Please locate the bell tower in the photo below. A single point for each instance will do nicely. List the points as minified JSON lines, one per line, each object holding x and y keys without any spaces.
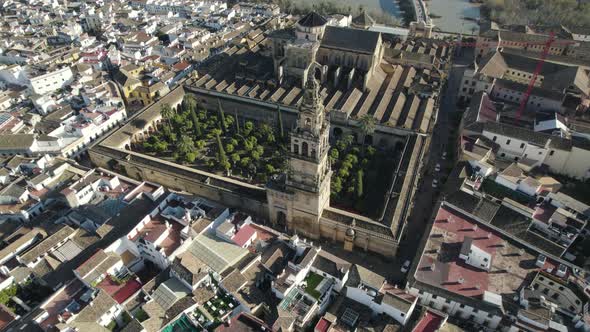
{"x":306,"y":189}
{"x":308,"y":160}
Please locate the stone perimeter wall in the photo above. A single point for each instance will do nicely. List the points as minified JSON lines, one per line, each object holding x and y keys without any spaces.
{"x":219,"y":189}
{"x":180,"y":178}
{"x":364,"y":240}
{"x":244,"y":197}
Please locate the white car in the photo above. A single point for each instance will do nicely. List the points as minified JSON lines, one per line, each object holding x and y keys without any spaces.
{"x":561,"y":271}
{"x":437,"y":167}
{"x":406,"y":266}
{"x":434,"y":183}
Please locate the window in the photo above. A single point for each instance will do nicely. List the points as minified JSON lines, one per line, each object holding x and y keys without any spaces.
{"x":507,"y":142}
{"x":434,"y":297}
{"x":551,"y":152}
{"x":402,"y":314}
{"x":540,"y":153}
{"x":494,"y":139}
{"x":461,"y":306}
{"x":521,"y":145}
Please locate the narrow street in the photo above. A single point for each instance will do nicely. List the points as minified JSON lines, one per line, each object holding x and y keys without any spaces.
{"x":426,"y":195}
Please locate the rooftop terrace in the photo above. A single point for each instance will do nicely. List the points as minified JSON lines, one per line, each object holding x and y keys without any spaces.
{"x":440,"y":265}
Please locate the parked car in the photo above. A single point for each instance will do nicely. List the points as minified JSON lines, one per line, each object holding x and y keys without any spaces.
{"x":437,"y":167}
{"x":561,"y":271}
{"x":406,"y":266}
{"x":434,"y":183}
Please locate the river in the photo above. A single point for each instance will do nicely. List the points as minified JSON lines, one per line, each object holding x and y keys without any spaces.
{"x":387,"y":6}
{"x":452,"y":12}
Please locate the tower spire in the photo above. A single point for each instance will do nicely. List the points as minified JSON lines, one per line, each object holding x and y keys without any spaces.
{"x":311,"y":96}
{"x":311,"y":116}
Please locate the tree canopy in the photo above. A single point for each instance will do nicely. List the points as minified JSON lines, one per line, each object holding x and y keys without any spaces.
{"x":570,"y":13}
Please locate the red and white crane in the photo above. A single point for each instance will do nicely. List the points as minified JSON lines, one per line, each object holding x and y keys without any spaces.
{"x":529,"y":90}
{"x":547,"y":47}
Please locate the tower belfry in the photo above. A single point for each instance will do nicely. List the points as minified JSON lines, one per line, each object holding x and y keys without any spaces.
{"x":309,"y":141}
{"x":300,"y":203}
{"x":312,"y":115}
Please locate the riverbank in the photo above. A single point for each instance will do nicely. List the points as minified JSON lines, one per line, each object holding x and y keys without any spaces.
{"x":387,"y":12}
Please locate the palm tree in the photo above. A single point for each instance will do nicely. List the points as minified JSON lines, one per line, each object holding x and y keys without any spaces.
{"x":367,"y":125}
{"x":167,"y":112}
{"x":280,"y":121}
{"x":185,"y":145}
{"x":221,"y":115}
{"x":221,"y":156}
{"x":237,"y":123}
{"x":189,"y":104}
{"x":196,"y":124}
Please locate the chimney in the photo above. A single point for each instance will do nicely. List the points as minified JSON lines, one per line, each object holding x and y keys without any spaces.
{"x":474,"y":228}
{"x":432,"y":266}
{"x":461,"y":280}
{"x":489,"y":235}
